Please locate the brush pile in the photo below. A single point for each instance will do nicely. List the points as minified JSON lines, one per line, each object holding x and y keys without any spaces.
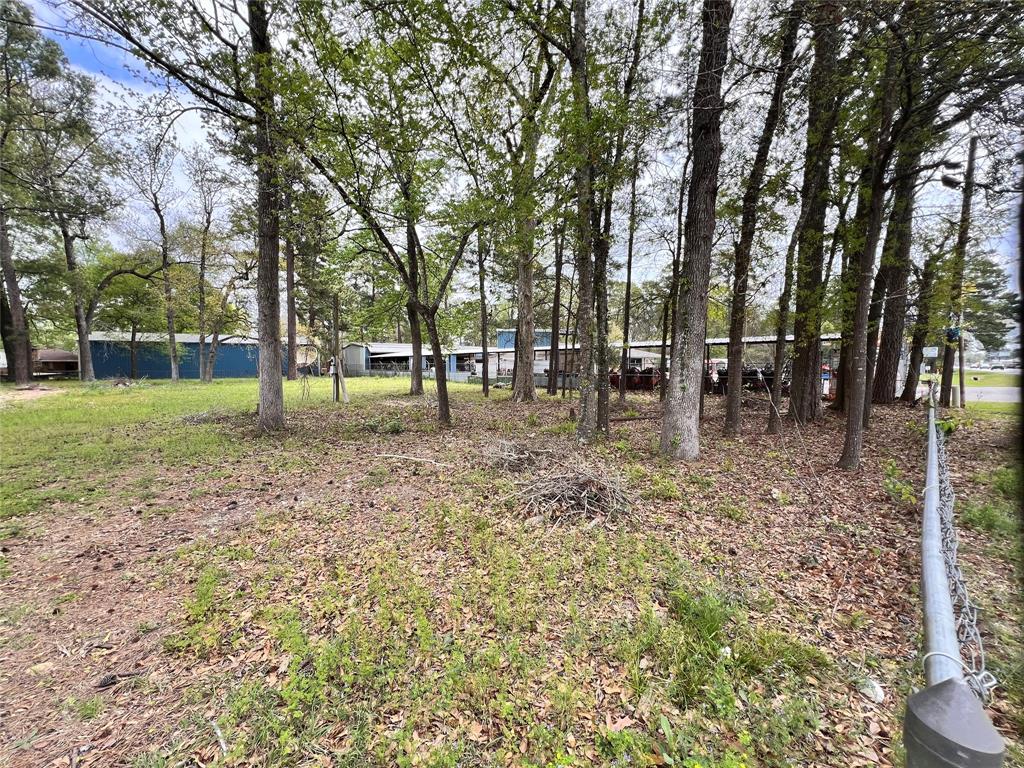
{"x":573,"y":494}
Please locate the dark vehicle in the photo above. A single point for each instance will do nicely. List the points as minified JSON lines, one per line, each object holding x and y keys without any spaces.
{"x":716,"y":379}
{"x":637,"y":380}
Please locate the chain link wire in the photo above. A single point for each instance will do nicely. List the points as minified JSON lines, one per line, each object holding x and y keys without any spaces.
{"x":972,"y":651}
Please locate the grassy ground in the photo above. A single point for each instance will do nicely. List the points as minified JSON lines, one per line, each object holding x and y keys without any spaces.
{"x":365,"y":589}
{"x":981,"y":378}
{"x":992,"y":379}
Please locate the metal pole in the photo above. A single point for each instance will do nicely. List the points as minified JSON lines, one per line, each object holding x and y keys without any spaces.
{"x":945,"y":725}
{"x":942,"y":649}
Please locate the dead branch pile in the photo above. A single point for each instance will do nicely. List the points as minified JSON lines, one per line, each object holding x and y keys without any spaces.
{"x":513,"y":457}
{"x":573,"y":493}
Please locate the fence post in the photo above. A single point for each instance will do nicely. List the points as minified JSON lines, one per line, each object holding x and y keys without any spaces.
{"x":945,"y":725}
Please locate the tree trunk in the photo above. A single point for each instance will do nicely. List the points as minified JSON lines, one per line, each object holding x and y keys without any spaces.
{"x":416,"y":336}
{"x":779,"y":360}
{"x":922,"y":323}
{"x":268,"y":216}
{"x":554,"y":361}
{"x":584,"y":152}
{"x":444,"y":414}
{"x":481,"y":257}
{"x":16,"y":343}
{"x":673,"y":286}
{"x":201,"y":298}
{"x":900,"y":233}
{"x":879,"y":149}
{"x":523,"y":388}
{"x":601,"y":352}
{"x":172,"y":344}
{"x":626,"y":305}
{"x":7,"y":336}
{"x":875,"y":304}
{"x":680,"y":434}
{"x":751,"y":197}
{"x":85,"y":369}
{"x":293,"y":337}
{"x":133,"y":353}
{"x":570,"y":344}
{"x":956,"y":310}
{"x":823,"y":113}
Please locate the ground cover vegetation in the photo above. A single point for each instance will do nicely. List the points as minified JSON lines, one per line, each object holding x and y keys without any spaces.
{"x":229,"y":596}
{"x":231,"y":572}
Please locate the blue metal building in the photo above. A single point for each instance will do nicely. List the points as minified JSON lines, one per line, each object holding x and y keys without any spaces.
{"x":111,"y":356}
{"x":507,"y":338}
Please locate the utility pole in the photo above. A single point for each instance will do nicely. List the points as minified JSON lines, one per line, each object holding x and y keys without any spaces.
{"x":956,"y":299}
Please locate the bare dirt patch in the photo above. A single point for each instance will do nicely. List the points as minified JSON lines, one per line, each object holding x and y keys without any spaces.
{"x":21,"y":395}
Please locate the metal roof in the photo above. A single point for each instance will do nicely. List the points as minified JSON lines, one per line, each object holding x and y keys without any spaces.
{"x":56,"y":356}
{"x":181,"y":338}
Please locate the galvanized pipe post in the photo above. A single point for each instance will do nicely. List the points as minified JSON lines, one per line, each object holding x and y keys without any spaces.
{"x":945,"y":725}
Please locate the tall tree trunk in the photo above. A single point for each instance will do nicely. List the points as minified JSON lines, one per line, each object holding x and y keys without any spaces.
{"x":554,"y":362}
{"x":626,"y":305}
{"x":894,"y":317}
{"x":204,"y":244}
{"x":959,"y":262}
{"x":584,"y":151}
{"x":823,"y":113}
{"x":781,"y":329}
{"x":172,"y":343}
{"x":879,"y":290}
{"x":7,"y":336}
{"x":571,"y":319}
{"x":673,"y":286}
{"x":133,"y":353}
{"x":601,"y":351}
{"x":16,"y":343}
{"x":416,"y":337}
{"x":413,"y":286}
{"x":268,"y":216}
{"x":680,"y":433}
{"x":515,"y":349}
{"x":165,"y":262}
{"x":85,"y":369}
{"x":444,"y":413}
{"x":523,"y":387}
{"x":666,"y":313}
{"x":481,"y":258}
{"x":881,"y":380}
{"x":922,"y":324}
{"x":748,"y":223}
{"x":879,"y":149}
{"x":293,"y":336}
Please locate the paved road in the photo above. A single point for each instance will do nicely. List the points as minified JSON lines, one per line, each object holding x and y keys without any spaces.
{"x":985,"y":394}
{"x":993,"y":394}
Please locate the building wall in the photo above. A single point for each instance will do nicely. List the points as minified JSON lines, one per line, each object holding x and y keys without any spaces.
{"x":507,"y":338}
{"x":112,"y":359}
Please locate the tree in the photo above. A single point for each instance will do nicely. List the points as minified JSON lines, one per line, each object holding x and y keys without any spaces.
{"x":680,"y":434}
{"x":824,"y":95}
{"x":149,"y":171}
{"x":751,"y":197}
{"x":224,"y":59}
{"x":27,"y":60}
{"x":867,"y":229}
{"x":210,"y":185}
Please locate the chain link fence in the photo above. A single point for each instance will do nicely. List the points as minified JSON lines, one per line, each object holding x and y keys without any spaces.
{"x":946,"y":723}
